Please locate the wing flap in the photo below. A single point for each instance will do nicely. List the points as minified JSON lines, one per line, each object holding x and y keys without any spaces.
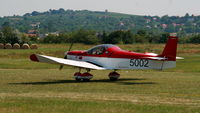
{"x":60,"y":61}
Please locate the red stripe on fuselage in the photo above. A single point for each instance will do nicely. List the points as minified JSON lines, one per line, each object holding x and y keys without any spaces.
{"x":113,"y":52}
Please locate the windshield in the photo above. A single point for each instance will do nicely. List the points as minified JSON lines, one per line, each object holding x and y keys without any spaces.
{"x":100,"y":49}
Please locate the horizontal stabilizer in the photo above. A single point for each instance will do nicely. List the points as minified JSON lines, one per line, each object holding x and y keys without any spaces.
{"x":162,"y":58}
{"x":179,"y":58}
{"x":61,"y":61}
{"x":156,"y":58}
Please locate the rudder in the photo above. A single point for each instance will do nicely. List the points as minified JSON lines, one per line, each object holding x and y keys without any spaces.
{"x":170,"y":48}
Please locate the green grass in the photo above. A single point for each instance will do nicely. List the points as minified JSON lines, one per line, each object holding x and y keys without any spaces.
{"x":28,"y":87}
{"x":49,"y":105}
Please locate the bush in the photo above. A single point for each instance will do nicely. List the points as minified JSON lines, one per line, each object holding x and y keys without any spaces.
{"x":195,"y":39}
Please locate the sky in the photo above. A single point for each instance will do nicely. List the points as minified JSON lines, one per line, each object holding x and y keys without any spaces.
{"x":135,"y":7}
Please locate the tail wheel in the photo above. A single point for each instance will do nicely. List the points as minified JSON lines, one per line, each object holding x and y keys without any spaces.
{"x":113,"y":76}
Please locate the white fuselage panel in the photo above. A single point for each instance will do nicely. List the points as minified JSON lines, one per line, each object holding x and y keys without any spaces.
{"x":124,"y":63}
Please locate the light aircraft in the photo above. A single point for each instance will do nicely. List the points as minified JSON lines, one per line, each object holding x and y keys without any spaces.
{"x":111,"y":57}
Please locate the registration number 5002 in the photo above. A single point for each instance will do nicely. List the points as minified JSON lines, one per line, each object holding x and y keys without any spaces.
{"x":139,"y":62}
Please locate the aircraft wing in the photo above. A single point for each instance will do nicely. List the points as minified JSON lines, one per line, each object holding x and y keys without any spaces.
{"x":61,"y":61}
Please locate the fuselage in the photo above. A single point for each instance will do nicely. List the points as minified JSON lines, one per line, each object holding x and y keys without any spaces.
{"x":112,"y":57}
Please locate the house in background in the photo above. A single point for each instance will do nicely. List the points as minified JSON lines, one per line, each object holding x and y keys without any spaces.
{"x":32,"y":33}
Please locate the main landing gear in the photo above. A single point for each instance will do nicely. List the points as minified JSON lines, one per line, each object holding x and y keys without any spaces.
{"x":83,"y":76}
{"x":113,"y":76}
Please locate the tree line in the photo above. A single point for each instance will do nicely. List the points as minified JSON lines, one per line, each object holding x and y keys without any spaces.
{"x":12,"y":36}
{"x":115,"y":37}
{"x":62,"y":20}
{"x":9,"y":35}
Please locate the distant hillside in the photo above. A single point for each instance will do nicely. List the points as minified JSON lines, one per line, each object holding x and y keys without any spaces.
{"x":69,"y":20}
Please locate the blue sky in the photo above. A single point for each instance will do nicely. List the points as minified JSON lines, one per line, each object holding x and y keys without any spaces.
{"x":136,"y":7}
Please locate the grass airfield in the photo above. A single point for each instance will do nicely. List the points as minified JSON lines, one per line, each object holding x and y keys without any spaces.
{"x":28,"y":87}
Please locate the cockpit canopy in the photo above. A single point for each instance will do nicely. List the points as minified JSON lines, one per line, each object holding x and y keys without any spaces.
{"x":100,"y":49}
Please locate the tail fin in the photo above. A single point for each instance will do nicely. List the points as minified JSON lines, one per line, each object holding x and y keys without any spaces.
{"x":170,"y":48}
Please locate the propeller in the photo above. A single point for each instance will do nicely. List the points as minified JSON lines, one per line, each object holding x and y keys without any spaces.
{"x":65,"y":57}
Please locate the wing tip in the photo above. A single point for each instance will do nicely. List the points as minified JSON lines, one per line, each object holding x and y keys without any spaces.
{"x":33,"y":57}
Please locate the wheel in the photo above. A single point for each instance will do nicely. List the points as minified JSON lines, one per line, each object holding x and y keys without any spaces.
{"x":113,"y":79}
{"x":113,"y":76}
{"x":86,"y":77}
{"x":78,"y":79}
{"x":77,"y":76}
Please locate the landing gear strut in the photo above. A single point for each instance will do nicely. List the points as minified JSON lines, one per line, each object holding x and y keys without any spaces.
{"x":85,"y":76}
{"x":114,"y":76}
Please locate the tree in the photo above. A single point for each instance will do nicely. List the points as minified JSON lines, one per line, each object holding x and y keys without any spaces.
{"x":61,"y":10}
{"x":139,"y":39}
{"x":33,"y":39}
{"x":127,"y":37}
{"x":85,"y":36}
{"x":9,"y":35}
{"x":2,"y":38}
{"x":24,"y":38}
{"x":91,"y":39}
{"x":163,"y":37}
{"x":35,"y":13}
{"x":187,"y":15}
{"x":115,"y":37}
{"x":140,"y":36}
{"x":195,"y":39}
{"x":142,"y":32}
{"x":51,"y":38}
{"x":104,"y":38}
{"x":153,"y":37}
{"x":6,"y":24}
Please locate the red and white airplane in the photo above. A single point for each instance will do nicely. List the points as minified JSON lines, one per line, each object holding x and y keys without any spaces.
{"x":111,"y":57}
